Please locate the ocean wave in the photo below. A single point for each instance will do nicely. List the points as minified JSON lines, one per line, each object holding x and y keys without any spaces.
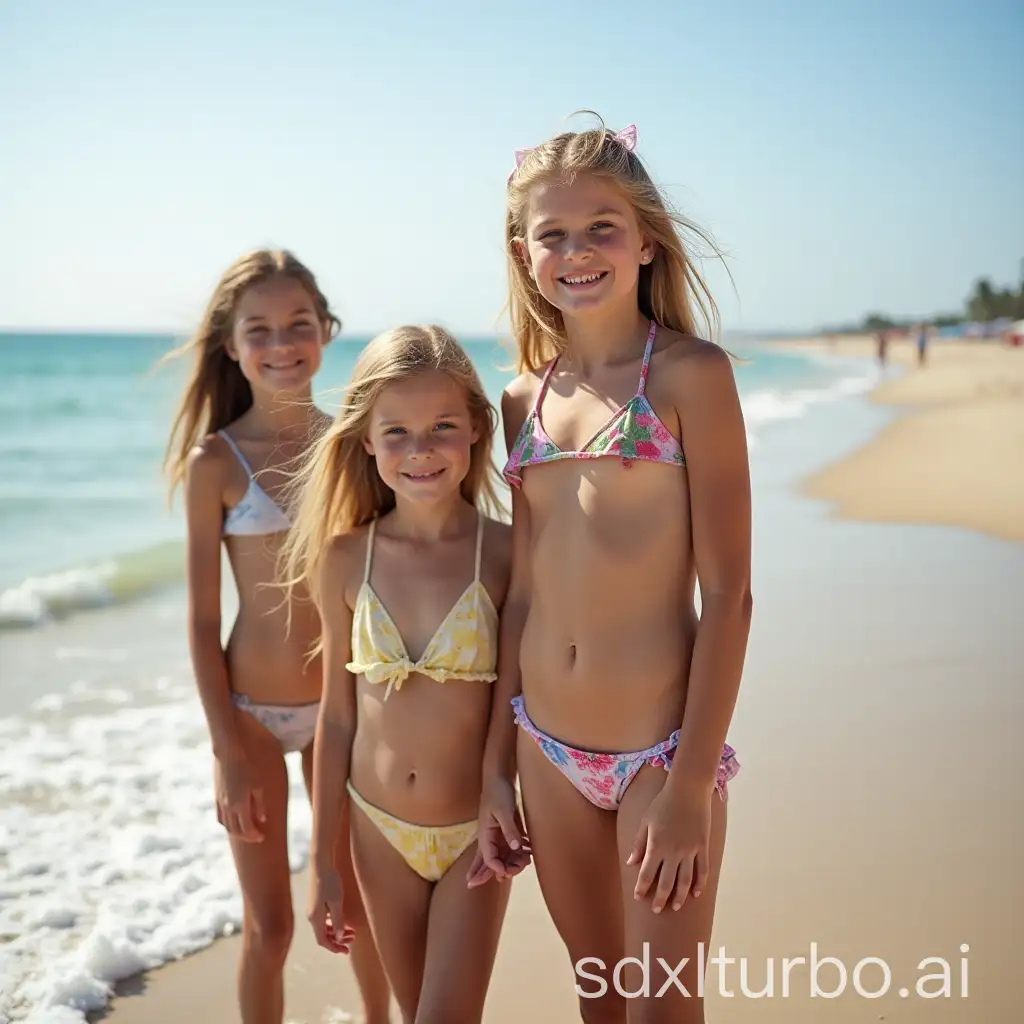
{"x":39,"y":600}
{"x":113,"y":861}
{"x":766,"y":406}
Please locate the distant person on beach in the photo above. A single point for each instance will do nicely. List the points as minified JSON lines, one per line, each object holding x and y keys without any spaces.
{"x":882,"y":348}
{"x":246,"y":414}
{"x":629,"y":477}
{"x":393,"y":539}
{"x":922,"y":344}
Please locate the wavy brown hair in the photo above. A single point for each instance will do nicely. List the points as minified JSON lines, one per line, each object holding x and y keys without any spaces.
{"x":338,"y":487}
{"x":672,"y":291}
{"x":216,"y":392}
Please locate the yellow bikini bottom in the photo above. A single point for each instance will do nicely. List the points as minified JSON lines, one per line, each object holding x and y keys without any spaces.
{"x":430,"y":850}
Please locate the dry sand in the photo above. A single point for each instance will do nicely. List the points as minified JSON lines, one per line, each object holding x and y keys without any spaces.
{"x":956,"y":458}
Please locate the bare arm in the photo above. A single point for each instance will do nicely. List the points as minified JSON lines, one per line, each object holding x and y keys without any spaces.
{"x":502,"y":846}
{"x":714,"y":442}
{"x":500,"y":748}
{"x":204,"y":514}
{"x":336,"y":723}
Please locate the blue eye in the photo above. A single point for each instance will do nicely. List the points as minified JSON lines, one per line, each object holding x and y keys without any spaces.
{"x":447,"y":426}
{"x":395,"y":430}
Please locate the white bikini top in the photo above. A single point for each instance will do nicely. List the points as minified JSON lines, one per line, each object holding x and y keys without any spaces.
{"x":257,"y":513}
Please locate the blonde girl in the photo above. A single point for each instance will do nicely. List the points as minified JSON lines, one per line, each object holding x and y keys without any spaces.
{"x":409,"y":572}
{"x":246,"y":413}
{"x":628,"y":467}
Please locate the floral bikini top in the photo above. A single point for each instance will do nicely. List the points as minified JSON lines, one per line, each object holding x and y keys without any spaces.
{"x":633,"y":432}
{"x":464,"y":646}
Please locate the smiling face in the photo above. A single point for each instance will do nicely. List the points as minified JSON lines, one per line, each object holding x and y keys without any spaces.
{"x":421,"y":434}
{"x":277,"y":339}
{"x":583,"y":244}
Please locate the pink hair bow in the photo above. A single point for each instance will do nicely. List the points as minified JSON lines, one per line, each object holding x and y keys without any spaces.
{"x":627,"y":138}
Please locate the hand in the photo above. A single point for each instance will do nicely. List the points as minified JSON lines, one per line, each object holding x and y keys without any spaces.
{"x":672,"y":843}
{"x":503,"y":848}
{"x":325,"y":913}
{"x":240,"y":806}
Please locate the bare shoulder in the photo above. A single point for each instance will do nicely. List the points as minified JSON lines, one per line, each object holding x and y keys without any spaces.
{"x":344,"y":552}
{"x":496,"y":559}
{"x":526,"y":385}
{"x":205,"y":465}
{"x":207,"y":452}
{"x":341,"y":570}
{"x":694,"y":372}
{"x":497,"y":541}
{"x":684,"y":353}
{"x":521,"y":393}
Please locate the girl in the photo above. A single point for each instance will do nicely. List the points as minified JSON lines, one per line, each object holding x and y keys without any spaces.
{"x":245,"y":413}
{"x":409,"y":575}
{"x":629,"y":482}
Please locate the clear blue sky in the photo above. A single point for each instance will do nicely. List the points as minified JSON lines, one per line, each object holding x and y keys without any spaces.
{"x":850,"y":156}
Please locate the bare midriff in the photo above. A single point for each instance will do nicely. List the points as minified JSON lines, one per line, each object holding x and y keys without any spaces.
{"x":420,"y":756}
{"x":611,"y":622}
{"x":268,"y":657}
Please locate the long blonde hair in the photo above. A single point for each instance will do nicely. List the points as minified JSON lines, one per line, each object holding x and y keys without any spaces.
{"x":216,"y":392}
{"x":338,"y":487}
{"x":672,"y":291}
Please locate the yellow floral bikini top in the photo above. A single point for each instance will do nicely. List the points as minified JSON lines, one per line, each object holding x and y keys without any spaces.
{"x":465,"y":645}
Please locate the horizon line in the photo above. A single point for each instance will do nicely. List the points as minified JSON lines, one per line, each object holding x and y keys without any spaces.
{"x":353,"y":335}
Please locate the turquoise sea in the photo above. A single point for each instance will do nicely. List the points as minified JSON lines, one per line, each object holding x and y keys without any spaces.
{"x":83,"y":424}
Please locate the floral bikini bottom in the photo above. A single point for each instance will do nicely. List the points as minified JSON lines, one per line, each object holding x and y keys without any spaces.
{"x":604,"y":778}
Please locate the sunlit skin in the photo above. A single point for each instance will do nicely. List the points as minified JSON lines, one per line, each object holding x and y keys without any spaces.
{"x":601,"y":635}
{"x":277,"y":341}
{"x":579,"y":232}
{"x":416,"y":753}
{"x":420,"y":436}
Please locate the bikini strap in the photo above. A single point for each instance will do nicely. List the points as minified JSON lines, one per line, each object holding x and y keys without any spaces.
{"x":369,"y":549}
{"x":545,"y":380}
{"x":479,"y":545}
{"x":238,"y":452}
{"x":647,"y":358}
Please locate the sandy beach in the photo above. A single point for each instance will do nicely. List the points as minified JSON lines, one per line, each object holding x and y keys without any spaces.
{"x":875,"y":818}
{"x":955,"y":455}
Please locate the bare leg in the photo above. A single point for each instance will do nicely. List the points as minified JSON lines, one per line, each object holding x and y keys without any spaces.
{"x":674,"y":936}
{"x":265,"y":878}
{"x":462,"y":941}
{"x":370,"y":977}
{"x":576,"y":855}
{"x":397,"y":903}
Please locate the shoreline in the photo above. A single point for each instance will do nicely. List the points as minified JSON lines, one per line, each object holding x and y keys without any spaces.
{"x":954,"y":453}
